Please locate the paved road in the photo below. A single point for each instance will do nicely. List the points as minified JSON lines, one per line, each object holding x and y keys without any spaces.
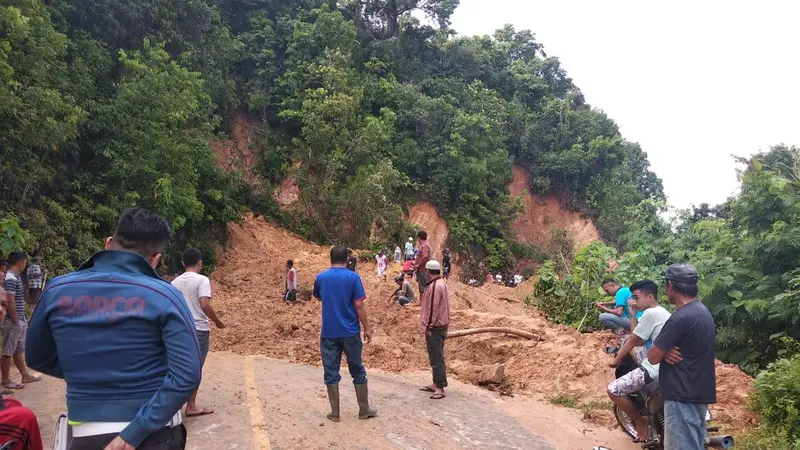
{"x":263,"y":403}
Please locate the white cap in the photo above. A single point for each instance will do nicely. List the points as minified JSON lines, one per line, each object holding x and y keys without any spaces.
{"x":433,"y":265}
{"x":410,"y":239}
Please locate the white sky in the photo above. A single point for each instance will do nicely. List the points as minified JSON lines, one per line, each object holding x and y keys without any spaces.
{"x":693,"y":82}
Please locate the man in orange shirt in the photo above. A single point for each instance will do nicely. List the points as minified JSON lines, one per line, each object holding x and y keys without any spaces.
{"x":423,"y":257}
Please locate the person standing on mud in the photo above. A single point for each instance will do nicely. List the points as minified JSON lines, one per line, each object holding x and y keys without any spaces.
{"x":196,"y":289}
{"x":15,"y":326}
{"x":35,"y":278}
{"x":421,"y":259}
{"x":398,"y":255}
{"x":446,"y":263}
{"x":127,"y":345}
{"x":409,"y":249}
{"x":290,"y":295}
{"x":686,"y":343}
{"x":434,"y":319}
{"x":342,"y":295}
{"x":351,"y":260}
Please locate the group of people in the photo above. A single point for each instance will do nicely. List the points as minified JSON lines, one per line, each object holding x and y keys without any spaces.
{"x":509,"y":281}
{"x":675,"y":350}
{"x":344,"y":319}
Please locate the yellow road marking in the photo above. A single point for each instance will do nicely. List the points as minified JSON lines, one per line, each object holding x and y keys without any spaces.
{"x":257,"y":422}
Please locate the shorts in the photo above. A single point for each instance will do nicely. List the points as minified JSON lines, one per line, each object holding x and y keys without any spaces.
{"x":14,"y":338}
{"x":203,"y":339}
{"x":633,"y":381}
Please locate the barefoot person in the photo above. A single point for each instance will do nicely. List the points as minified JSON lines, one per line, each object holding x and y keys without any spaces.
{"x":15,"y":326}
{"x":127,"y":346}
{"x":196,"y":289}
{"x":433,"y":320}
{"x":342,"y":296}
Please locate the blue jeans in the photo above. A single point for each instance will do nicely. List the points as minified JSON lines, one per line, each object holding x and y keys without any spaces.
{"x":614,"y":321}
{"x":403,"y":300}
{"x":331,"y":351}
{"x":685,"y":427}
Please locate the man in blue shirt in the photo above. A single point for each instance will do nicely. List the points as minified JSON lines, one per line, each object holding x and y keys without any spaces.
{"x":124,"y":341}
{"x":616,"y":315}
{"x":342,"y":295}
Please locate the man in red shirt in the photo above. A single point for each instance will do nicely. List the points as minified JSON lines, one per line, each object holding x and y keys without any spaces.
{"x":434,"y":319}
{"x":423,"y":257}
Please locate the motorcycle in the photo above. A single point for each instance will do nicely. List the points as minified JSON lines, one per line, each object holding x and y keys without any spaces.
{"x":650,"y":404}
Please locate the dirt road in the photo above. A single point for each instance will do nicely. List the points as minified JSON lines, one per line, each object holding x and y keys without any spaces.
{"x":264,"y":403}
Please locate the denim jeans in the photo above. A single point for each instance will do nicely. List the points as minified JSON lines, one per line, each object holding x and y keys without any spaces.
{"x":331,"y":351}
{"x":403,"y":300}
{"x":685,"y":427}
{"x":422,"y":279}
{"x":614,"y":321}
{"x":164,"y":439}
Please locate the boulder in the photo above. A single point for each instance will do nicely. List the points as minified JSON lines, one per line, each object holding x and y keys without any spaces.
{"x":492,"y":374}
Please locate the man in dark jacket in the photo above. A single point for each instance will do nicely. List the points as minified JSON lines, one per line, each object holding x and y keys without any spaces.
{"x":127,"y":346}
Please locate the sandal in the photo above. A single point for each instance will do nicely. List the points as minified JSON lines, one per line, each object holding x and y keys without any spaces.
{"x":426,"y":389}
{"x":13,"y":385}
{"x":438,"y":396}
{"x":202,"y":412}
{"x":32,"y":379}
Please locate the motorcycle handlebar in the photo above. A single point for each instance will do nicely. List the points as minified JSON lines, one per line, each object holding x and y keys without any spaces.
{"x":719,"y":442}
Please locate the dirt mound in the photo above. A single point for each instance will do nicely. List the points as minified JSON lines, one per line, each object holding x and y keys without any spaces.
{"x":545,"y":212}
{"x":425,"y":215}
{"x":248,"y":287}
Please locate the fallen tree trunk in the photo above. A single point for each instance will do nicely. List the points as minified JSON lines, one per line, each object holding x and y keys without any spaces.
{"x":514,"y":331}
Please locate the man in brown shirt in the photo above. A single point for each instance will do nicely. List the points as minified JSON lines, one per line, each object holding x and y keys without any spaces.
{"x":433,"y":321}
{"x":423,"y":257}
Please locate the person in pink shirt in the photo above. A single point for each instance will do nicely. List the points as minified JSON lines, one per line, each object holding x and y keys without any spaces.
{"x":433,"y":321}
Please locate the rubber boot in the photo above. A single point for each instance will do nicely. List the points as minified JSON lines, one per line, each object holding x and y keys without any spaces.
{"x":364,"y":410}
{"x":333,"y":397}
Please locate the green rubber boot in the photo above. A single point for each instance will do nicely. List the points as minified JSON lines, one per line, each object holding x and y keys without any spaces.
{"x":364,"y":410}
{"x":333,"y":397}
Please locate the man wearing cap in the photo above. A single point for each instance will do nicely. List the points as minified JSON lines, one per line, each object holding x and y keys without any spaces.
{"x":409,"y":248}
{"x":686,"y":343}
{"x":434,"y":320}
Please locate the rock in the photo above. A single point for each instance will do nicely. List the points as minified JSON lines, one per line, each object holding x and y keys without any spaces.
{"x":492,"y":374}
{"x":307,"y":327}
{"x":397,"y":353}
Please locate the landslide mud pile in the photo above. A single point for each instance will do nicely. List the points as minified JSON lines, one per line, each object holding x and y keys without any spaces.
{"x":248,"y":287}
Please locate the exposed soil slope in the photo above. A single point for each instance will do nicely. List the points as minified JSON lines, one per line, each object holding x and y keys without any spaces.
{"x":428,"y":219}
{"x":248,"y":285}
{"x":545,"y":212}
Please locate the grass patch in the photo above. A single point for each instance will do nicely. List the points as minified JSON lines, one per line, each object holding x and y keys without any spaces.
{"x":571,"y":401}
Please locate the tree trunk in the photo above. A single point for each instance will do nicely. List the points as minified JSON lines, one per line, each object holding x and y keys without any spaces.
{"x":505,"y":330}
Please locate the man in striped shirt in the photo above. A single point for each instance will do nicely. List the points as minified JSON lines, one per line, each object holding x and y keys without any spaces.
{"x":35,"y":275}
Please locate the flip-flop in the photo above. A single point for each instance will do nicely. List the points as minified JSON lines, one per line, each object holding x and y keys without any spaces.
{"x":14,"y":386}
{"x":426,"y":389}
{"x":6,"y":392}
{"x":32,"y":380}
{"x":203,"y":412}
{"x":438,"y":396}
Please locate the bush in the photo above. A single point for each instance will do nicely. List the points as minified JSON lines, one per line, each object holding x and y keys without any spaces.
{"x":777,"y":401}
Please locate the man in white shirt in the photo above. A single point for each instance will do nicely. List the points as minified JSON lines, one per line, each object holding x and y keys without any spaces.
{"x":645,"y":298}
{"x":196,"y":289}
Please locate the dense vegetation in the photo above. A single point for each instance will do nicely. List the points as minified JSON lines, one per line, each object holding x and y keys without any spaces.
{"x":107,"y":104}
{"x":747,"y":252}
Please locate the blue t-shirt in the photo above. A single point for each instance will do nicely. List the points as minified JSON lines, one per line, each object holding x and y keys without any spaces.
{"x":338,"y":289}
{"x":621,"y":298}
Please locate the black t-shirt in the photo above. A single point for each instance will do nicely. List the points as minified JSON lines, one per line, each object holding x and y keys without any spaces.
{"x":691,"y":328}
{"x":446,"y":260}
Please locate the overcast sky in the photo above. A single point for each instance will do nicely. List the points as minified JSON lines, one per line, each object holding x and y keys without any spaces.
{"x":693,"y":82}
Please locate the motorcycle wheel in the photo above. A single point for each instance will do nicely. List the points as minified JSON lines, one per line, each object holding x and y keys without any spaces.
{"x":625,"y":422}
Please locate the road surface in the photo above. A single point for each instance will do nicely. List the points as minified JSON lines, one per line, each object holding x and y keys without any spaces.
{"x":263,"y":404}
